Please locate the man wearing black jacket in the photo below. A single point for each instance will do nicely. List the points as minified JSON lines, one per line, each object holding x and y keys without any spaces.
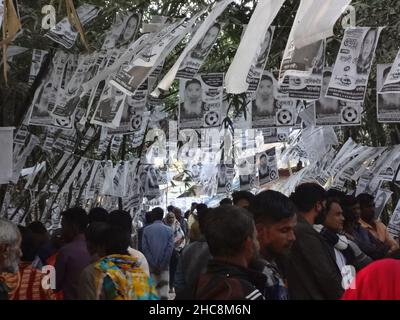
{"x":311,"y":268}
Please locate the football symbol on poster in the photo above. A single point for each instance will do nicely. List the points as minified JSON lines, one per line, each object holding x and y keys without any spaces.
{"x":136,"y":122}
{"x":349,"y":115}
{"x":228,"y":187}
{"x":63,"y":122}
{"x":282,"y":137}
{"x":252,"y":181}
{"x":284,"y":117}
{"x":212,"y":118}
{"x":273,"y":175}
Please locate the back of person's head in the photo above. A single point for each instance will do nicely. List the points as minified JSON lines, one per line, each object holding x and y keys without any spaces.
{"x":121,"y":219}
{"x":77,"y":218}
{"x":365,"y":199}
{"x":202,"y":219}
{"x":117,"y":241}
{"x":9,"y":246}
{"x":242,"y":198}
{"x":201,"y":207}
{"x":227,"y":229}
{"x":157,"y":213}
{"x":270,"y":207}
{"x":170,"y":208}
{"x":95,"y":237}
{"x":307,"y":195}
{"x":348,"y":202}
{"x":334,"y":193}
{"x":28,"y":248}
{"x":37,"y":227}
{"x":9,"y":233}
{"x":225,"y":201}
{"x":148,"y":217}
{"x":98,"y":214}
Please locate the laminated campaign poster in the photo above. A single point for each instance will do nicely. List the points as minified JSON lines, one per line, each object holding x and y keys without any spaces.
{"x":132,"y":111}
{"x":64,"y":33}
{"x":257,"y":69}
{"x":38,"y":57}
{"x":129,"y":79}
{"x":388,"y":101}
{"x":353,"y":64}
{"x":335,"y":112}
{"x":6,"y":158}
{"x":247,"y":175}
{"x":123,"y":31}
{"x":226,"y":173}
{"x":394,"y":223}
{"x":68,"y":99}
{"x":381,"y":199}
{"x":201,"y":101}
{"x":267,"y":166}
{"x":389,"y":163}
{"x":196,"y":57}
{"x":301,"y":70}
{"x":390,"y":81}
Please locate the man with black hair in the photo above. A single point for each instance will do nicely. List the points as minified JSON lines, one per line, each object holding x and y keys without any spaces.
{"x":275,"y":218}
{"x":157,"y":244}
{"x":225,"y":201}
{"x":357,"y":233}
{"x":374,"y":226}
{"x":98,"y":214}
{"x":41,"y":239}
{"x":73,"y":256}
{"x":242,"y":198}
{"x":311,"y":268}
{"x":232,"y":241}
{"x":192,"y":262}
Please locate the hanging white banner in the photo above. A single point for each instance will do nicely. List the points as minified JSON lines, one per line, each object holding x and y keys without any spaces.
{"x":246,"y":55}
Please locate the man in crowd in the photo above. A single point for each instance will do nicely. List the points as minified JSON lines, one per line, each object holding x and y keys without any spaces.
{"x":275,"y":219}
{"x":311,"y":268}
{"x":374,"y":226}
{"x":157,"y":244}
{"x":232,"y":240}
{"x":10,"y":253}
{"x":73,"y":256}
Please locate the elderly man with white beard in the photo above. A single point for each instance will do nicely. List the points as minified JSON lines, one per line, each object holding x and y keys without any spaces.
{"x":10,"y":252}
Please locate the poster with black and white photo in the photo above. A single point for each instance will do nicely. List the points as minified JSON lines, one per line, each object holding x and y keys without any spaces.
{"x":64,"y":33}
{"x":381,"y":199}
{"x":271,"y":135}
{"x":196,"y":57}
{"x":394,"y":223}
{"x":68,"y":99}
{"x":335,"y":112}
{"x":257,"y":69}
{"x":130,"y":78}
{"x":6,"y":159}
{"x":387,"y":169}
{"x":123,"y":31}
{"x":201,"y":101}
{"x":133,"y":110}
{"x":37,"y":60}
{"x":226,"y":173}
{"x":388,"y":102}
{"x":353,"y":64}
{"x":390,"y":81}
{"x":301,"y":70}
{"x":267,"y":166}
{"x":246,"y":172}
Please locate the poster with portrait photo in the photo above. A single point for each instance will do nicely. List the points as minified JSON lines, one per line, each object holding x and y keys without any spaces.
{"x":64,"y":33}
{"x":129,"y":78}
{"x":133,"y":110}
{"x":246,"y":172}
{"x":201,"y":101}
{"x":381,"y":199}
{"x":123,"y":31}
{"x":257,"y":69}
{"x":389,"y":166}
{"x":267,"y":166}
{"x":394,"y":223}
{"x":226,"y":173}
{"x":38,"y":57}
{"x":353,"y":64}
{"x":390,"y":81}
{"x":301,"y":70}
{"x":335,"y":112}
{"x":196,"y":57}
{"x":388,"y":102}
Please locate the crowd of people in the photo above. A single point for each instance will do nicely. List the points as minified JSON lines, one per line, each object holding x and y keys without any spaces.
{"x":313,"y":245}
